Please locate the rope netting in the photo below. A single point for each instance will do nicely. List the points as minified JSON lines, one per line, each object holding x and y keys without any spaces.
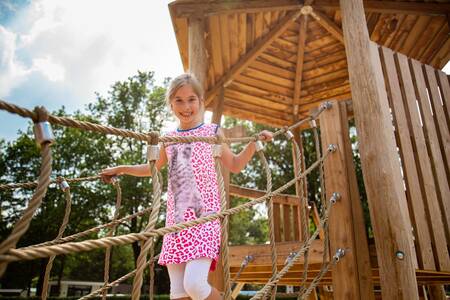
{"x":147,"y":238}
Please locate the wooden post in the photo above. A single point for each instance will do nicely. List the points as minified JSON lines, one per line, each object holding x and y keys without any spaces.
{"x":379,"y":158}
{"x":198,"y":60}
{"x":352,"y":275}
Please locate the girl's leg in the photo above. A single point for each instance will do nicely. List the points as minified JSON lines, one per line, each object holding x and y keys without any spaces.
{"x":196,"y":280}
{"x":176,"y":275}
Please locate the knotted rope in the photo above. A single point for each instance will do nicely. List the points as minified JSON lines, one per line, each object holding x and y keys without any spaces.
{"x":153,"y":218}
{"x":44,"y":179}
{"x":111,"y":232}
{"x":38,"y":252}
{"x":62,"y":228}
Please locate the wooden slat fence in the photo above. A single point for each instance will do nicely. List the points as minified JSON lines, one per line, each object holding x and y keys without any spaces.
{"x":419,"y":98}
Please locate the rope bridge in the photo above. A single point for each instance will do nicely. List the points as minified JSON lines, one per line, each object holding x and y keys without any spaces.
{"x":66,"y":245}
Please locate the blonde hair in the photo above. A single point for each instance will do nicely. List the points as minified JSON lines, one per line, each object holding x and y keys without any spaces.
{"x":180,"y":81}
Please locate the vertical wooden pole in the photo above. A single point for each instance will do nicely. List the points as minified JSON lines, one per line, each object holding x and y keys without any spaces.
{"x":298,"y":186}
{"x":379,"y":158}
{"x":352,"y":275}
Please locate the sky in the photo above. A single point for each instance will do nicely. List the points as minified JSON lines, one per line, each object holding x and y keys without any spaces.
{"x":55,"y":53}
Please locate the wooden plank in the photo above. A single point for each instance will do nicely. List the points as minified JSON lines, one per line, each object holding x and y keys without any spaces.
{"x":277,"y":221}
{"x":436,"y":43}
{"x":273,"y":60}
{"x":240,"y":113}
{"x":393,"y":7}
{"x":333,"y":125}
{"x":216,"y":46}
{"x":257,"y":92}
{"x":415,"y":34}
{"x":300,"y":59}
{"x":379,"y":158}
{"x":234,"y":38}
{"x":218,"y":110}
{"x":342,"y":73}
{"x":325,"y":69}
{"x":431,"y":134}
{"x":242,"y":35}
{"x":180,"y":28}
{"x":257,"y":74}
{"x":245,"y":106}
{"x":320,"y":43}
{"x":252,"y":54}
{"x":225,"y":39}
{"x":248,"y":98}
{"x":296,"y":222}
{"x":389,"y":7}
{"x":328,"y":24}
{"x":287,"y":228}
{"x":439,"y":114}
{"x":271,"y":69}
{"x":323,"y":61}
{"x":237,"y":289}
{"x":442,"y":56}
{"x":258,"y":26}
{"x":323,"y":52}
{"x":264,"y":85}
{"x":282,"y":199}
{"x":445,"y":93}
{"x":266,"y":22}
{"x":415,"y":196}
{"x":432,"y":29}
{"x":403,"y":32}
{"x":325,"y":86}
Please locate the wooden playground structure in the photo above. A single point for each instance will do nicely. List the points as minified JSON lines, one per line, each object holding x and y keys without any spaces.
{"x":275,"y":61}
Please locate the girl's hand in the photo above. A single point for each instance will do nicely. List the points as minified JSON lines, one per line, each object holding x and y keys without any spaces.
{"x":108,"y":173}
{"x":266,"y":136}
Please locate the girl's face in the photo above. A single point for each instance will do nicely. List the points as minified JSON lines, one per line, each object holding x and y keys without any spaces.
{"x":186,"y":106}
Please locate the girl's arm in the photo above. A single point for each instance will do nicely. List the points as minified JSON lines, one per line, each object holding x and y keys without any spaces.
{"x":134,"y":170}
{"x":236,"y":162}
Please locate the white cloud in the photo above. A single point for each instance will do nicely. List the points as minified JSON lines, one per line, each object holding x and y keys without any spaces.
{"x":85,"y":46}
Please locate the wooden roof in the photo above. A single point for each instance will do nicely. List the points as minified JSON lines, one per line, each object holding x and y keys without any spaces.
{"x":275,"y":69}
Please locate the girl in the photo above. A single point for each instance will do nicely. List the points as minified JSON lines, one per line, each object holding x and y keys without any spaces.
{"x":192,"y":192}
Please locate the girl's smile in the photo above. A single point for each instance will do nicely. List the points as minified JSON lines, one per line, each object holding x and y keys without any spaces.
{"x":187,"y":107}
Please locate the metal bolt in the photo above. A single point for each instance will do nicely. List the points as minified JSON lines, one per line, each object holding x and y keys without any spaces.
{"x":339,"y":254}
{"x":332,"y":147}
{"x":400,"y":255}
{"x":326,"y":105}
{"x":335,"y":197}
{"x":306,"y":10}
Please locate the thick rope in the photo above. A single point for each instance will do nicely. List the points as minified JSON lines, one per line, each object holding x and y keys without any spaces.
{"x":38,"y":252}
{"x":224,"y":231}
{"x":69,"y":122}
{"x":153,"y":218}
{"x":28,"y":185}
{"x":24,"y":222}
{"x":62,"y":228}
{"x":269,"y":205}
{"x":272,"y":282}
{"x":111,"y":233}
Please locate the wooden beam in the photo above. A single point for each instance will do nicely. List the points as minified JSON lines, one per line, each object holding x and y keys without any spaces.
{"x":379,"y":158}
{"x":388,"y":7}
{"x":254,"y":194}
{"x":218,"y":110}
{"x":248,"y":58}
{"x":187,"y":9}
{"x":328,"y":24}
{"x":353,"y":281}
{"x":393,"y":7}
{"x":198,"y":60}
{"x":300,"y":60}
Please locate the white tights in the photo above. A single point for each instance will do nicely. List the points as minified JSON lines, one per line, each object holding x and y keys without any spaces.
{"x":190,"y":279}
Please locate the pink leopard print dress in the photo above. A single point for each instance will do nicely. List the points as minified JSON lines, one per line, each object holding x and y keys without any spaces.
{"x":192,"y":192}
